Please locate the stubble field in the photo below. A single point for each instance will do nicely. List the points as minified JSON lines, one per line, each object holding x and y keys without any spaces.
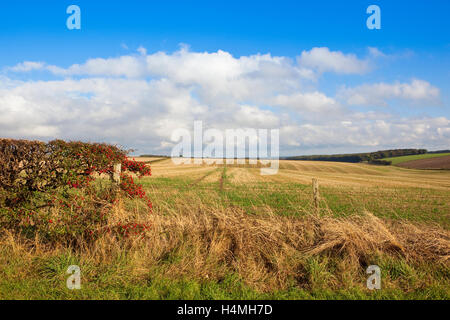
{"x":227,"y":232}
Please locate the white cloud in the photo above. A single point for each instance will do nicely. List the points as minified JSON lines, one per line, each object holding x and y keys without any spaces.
{"x":27,"y":66}
{"x":324,"y":60}
{"x":254,"y":117}
{"x":316,"y":102}
{"x":379,"y":93}
{"x":137,"y":100}
{"x":432,"y":133}
{"x":376,"y":53}
{"x":142,"y":51}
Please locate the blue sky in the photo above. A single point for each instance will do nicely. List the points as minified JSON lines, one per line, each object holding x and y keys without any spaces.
{"x":239,"y":27}
{"x":380,"y":84}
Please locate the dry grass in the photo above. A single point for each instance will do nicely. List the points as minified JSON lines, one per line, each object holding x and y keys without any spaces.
{"x":209,"y":241}
{"x":267,"y":251}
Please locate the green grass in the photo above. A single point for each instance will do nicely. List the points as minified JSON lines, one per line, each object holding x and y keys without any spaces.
{"x":185,"y":289}
{"x":45,"y":278}
{"x":397,"y":160}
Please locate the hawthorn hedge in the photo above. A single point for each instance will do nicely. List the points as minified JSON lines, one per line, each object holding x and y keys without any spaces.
{"x":34,"y":166}
{"x":36,"y":174}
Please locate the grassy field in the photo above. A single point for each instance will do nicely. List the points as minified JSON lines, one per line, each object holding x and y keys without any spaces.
{"x":229,"y":233}
{"x":397,"y":160}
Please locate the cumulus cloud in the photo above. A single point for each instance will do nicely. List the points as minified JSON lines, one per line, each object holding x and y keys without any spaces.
{"x":376,"y":53}
{"x":316,"y":102}
{"x":254,"y":117}
{"x":324,"y":60}
{"x":369,"y":134}
{"x":142,"y":51}
{"x":27,"y":66}
{"x":378,"y":93}
{"x":182,"y":65}
{"x":138,"y":100}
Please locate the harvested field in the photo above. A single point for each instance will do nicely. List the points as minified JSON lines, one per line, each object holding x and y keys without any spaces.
{"x":226,"y":231}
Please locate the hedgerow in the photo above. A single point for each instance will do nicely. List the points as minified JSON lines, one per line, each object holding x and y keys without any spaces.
{"x":47,"y":189}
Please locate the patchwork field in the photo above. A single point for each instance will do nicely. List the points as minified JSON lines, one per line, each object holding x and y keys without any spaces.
{"x":436,"y":163}
{"x":227,"y":232}
{"x":404,"y":159}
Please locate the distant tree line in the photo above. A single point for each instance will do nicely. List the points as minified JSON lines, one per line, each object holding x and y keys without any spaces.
{"x":370,"y":157}
{"x":153,"y":156}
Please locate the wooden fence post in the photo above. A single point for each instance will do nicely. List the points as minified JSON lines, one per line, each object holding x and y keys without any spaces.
{"x":115,"y":176}
{"x":316,"y":195}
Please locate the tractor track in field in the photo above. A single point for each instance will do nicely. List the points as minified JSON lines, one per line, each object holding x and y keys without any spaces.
{"x":197,"y":181}
{"x":222,"y":178}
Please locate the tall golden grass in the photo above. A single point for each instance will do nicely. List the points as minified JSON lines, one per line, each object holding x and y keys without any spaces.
{"x":267,"y":251}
